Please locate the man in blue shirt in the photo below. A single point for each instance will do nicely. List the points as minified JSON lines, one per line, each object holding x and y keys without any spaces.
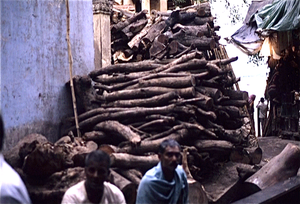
{"x":166,"y":182}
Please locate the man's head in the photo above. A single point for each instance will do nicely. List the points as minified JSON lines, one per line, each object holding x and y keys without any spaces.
{"x":169,"y":154}
{"x":97,"y":165}
{"x":1,"y":132}
{"x":262,"y":99}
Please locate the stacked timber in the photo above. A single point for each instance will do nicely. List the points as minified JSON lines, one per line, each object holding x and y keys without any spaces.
{"x":140,"y":104}
{"x":171,"y":85}
{"x":159,"y":35}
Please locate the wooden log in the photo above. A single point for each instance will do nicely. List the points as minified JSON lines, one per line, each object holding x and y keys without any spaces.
{"x":201,"y":44}
{"x":119,"y":35}
{"x":119,"y":56}
{"x":155,"y":123}
{"x":163,"y":39}
{"x":166,"y":133}
{"x":127,"y":187}
{"x":95,"y":136}
{"x":235,"y":94}
{"x":129,"y":84}
{"x":128,"y":161}
{"x":220,"y":62}
{"x":176,"y":47}
{"x":125,"y":67}
{"x":124,"y":131}
{"x":121,"y":25}
{"x":123,"y":13}
{"x":233,"y":111}
{"x":85,"y":93}
{"x":185,"y":51}
{"x":118,"y":77}
{"x":132,"y":175}
{"x":160,"y":13}
{"x":237,"y":103}
{"x":145,"y":93}
{"x":213,"y":145}
{"x":169,"y":82}
{"x":135,"y":41}
{"x":158,"y":100}
{"x":180,"y":17}
{"x":250,"y":155}
{"x":152,"y":146}
{"x":213,"y":93}
{"x":138,"y":26}
{"x":154,"y":73}
{"x":187,"y":66}
{"x":153,"y":32}
{"x":156,"y":48}
{"x":196,"y":192}
{"x":109,"y":149}
{"x":281,"y":167}
{"x":202,"y":30}
{"x":202,"y":101}
{"x":204,"y":9}
{"x":199,"y":128}
{"x":202,"y":21}
{"x":128,"y":113}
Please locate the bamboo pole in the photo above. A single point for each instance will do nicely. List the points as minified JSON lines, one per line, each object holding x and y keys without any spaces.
{"x":71,"y":69}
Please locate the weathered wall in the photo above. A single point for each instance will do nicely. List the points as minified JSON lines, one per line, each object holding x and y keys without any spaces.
{"x":34,"y":63}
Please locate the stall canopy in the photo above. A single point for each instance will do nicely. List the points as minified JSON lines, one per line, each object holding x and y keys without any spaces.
{"x":266,"y":15}
{"x":282,"y":15}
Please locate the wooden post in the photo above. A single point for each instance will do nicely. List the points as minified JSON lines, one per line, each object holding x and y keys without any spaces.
{"x":258,"y":123}
{"x":163,"y":5}
{"x":102,"y":37}
{"x":146,"y":5}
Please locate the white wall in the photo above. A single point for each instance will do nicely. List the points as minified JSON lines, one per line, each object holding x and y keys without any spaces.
{"x":34,"y":63}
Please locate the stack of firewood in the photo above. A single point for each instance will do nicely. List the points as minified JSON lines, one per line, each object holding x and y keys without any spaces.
{"x":136,"y":105}
{"x":171,"y":86}
{"x":159,"y":35}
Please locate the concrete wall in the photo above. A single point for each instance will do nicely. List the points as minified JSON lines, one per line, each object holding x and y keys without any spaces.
{"x":34,"y":63}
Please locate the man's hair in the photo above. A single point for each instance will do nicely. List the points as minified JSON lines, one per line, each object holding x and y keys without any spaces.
{"x":168,"y":142}
{"x":1,"y":132}
{"x":97,"y":156}
{"x":262,"y":100}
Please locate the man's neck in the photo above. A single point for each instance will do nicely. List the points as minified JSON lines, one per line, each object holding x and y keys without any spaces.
{"x":169,"y":175}
{"x":93,"y":195}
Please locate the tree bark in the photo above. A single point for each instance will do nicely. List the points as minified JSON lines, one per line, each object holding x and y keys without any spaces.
{"x":155,"y":101}
{"x":124,"y":160}
{"x":121,"y":25}
{"x":122,"y":130}
{"x":127,"y":187}
{"x":279,"y":168}
{"x":145,"y":93}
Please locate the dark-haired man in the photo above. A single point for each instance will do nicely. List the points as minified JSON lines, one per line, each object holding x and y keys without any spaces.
{"x":95,"y":189}
{"x":12,"y":188}
{"x":166,"y":182}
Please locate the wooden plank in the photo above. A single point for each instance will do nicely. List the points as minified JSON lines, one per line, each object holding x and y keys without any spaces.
{"x":271,"y":194}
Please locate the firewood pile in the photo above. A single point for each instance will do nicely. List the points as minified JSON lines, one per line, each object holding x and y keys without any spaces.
{"x":159,"y":35}
{"x":171,"y":85}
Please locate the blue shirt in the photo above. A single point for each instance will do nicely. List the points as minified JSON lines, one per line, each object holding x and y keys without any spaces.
{"x":154,"y":188}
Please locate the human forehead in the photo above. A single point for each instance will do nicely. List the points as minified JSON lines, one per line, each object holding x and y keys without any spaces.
{"x":96,"y":164}
{"x":172,"y":149}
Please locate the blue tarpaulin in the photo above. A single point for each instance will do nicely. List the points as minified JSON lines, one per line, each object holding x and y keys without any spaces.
{"x":281,"y":15}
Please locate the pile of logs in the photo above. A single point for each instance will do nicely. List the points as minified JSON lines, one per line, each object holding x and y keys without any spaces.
{"x":159,"y":35}
{"x":132,"y":107}
{"x":169,"y":87}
